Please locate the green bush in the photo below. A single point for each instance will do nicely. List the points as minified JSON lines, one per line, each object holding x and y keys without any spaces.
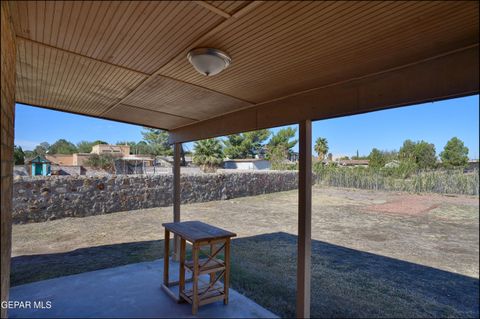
{"x":208,"y":154}
{"x":103,"y":161}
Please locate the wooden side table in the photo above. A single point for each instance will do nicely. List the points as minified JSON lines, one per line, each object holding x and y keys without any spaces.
{"x":199,"y":235}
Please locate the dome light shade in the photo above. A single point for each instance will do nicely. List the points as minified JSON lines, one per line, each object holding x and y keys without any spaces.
{"x":208,"y":61}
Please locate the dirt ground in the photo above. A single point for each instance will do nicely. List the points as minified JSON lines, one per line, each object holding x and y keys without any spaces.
{"x":374,"y":254}
{"x":431,"y":230}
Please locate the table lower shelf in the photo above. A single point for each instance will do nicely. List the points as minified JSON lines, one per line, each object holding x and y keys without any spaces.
{"x":215,"y":293}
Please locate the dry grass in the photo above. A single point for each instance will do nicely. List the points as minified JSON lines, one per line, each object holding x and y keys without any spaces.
{"x":367,"y":261}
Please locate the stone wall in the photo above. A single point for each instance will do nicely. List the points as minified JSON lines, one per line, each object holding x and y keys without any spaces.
{"x":7,"y":117}
{"x":38,"y":199}
{"x":25,"y":170}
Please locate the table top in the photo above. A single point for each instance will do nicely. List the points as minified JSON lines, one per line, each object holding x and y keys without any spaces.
{"x":195,"y":231}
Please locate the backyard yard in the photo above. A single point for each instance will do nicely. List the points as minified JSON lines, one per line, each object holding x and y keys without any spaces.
{"x":374,"y":254}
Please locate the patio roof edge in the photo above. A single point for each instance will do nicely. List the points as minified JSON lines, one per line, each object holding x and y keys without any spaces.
{"x":450,"y":75}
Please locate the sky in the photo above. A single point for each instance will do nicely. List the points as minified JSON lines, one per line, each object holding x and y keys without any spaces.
{"x":435,"y":123}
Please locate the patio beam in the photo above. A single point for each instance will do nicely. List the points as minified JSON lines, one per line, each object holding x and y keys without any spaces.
{"x":449,"y":75}
{"x":6,"y":147}
{"x":176,"y":196}
{"x":304,"y":249}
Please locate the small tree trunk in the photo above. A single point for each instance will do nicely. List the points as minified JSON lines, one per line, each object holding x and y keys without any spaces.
{"x":182,"y":155}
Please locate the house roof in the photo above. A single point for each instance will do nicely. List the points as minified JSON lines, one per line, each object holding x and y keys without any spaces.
{"x":291,"y":60}
{"x":57,"y":158}
{"x":245,"y":160}
{"x":136,"y":158}
{"x":353,"y":162}
{"x":37,"y":159}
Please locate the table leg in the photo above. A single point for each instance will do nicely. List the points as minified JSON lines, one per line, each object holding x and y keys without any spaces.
{"x":226,"y":280}
{"x":176,"y":247}
{"x":212,"y":275}
{"x":166,"y":252}
{"x":195,"y":300}
{"x":181,"y":287}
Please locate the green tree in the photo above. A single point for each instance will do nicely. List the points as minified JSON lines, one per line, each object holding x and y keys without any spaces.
{"x":357,"y":156}
{"x":280,"y":146}
{"x":62,"y":146}
{"x":321,"y":147}
{"x":158,"y":141}
{"x":132,"y":145}
{"x":208,"y":154}
{"x":390,"y":155}
{"x":233,"y":146}
{"x":281,"y":142}
{"x":143,"y":148}
{"x":422,"y":153}
{"x":103,"y":161}
{"x":41,"y":149}
{"x":29,"y":154}
{"x":376,"y":159}
{"x":245,"y":145}
{"x":407,"y":151}
{"x":425,"y":156}
{"x":254,"y":141}
{"x":455,"y":153}
{"x":284,"y":137}
{"x":86,"y":147}
{"x":18,"y":155}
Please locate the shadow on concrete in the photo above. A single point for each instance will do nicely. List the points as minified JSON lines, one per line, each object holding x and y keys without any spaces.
{"x":30,"y":268}
{"x":345,"y":282}
{"x":129,"y":291}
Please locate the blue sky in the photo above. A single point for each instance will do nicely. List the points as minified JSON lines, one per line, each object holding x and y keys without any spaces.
{"x":386,"y":130}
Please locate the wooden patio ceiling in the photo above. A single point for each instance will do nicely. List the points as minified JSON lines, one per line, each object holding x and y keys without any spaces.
{"x":126,"y":61}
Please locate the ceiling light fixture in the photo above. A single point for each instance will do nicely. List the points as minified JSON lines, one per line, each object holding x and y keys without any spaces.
{"x":208,"y":61}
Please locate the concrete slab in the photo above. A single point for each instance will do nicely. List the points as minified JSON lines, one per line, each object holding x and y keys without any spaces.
{"x":121,"y":292}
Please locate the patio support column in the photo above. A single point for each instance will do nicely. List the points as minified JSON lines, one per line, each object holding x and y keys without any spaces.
{"x":6,"y":147}
{"x":304,"y":220}
{"x":177,"y":147}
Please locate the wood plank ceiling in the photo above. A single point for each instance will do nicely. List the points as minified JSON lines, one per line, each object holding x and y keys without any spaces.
{"x":126,"y":60}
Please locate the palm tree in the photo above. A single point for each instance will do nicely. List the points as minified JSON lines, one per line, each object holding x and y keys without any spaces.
{"x":208,"y":154}
{"x":321,"y":147}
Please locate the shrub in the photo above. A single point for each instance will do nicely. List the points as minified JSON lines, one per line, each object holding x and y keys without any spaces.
{"x":208,"y":154}
{"x":403,"y":178}
{"x":103,"y":161}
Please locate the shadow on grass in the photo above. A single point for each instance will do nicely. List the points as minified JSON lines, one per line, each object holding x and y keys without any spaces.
{"x":345,"y":282}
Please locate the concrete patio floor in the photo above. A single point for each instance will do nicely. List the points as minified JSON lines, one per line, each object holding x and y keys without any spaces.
{"x":128,"y":291}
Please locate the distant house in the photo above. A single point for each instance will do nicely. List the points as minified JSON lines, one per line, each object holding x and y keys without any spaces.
{"x":393,"y":164}
{"x":115,"y":150}
{"x":74,"y":164}
{"x":60,"y":159}
{"x":79,"y":159}
{"x":247,"y":164}
{"x":353,"y":163}
{"x":293,"y":157}
{"x":77,"y":163}
{"x":40,"y":166}
{"x":472,"y":165}
{"x":167,"y":161}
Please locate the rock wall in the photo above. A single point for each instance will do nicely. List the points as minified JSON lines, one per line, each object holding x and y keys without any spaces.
{"x":37,"y":199}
